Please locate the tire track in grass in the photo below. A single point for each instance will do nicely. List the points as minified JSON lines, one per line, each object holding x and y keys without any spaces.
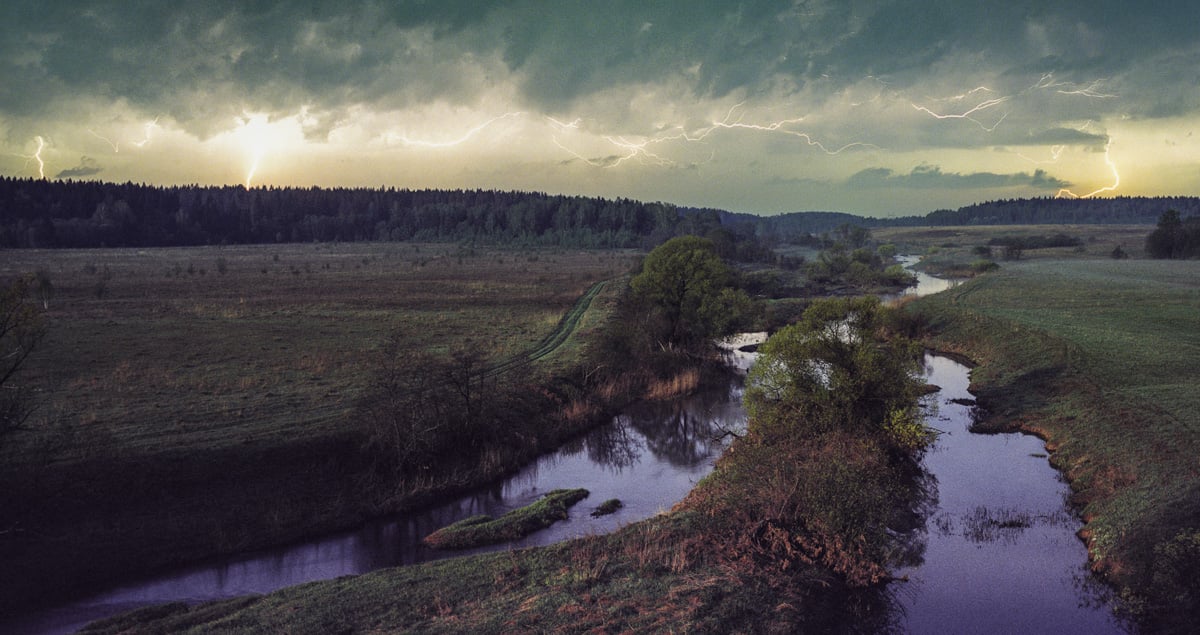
{"x":556,"y":338}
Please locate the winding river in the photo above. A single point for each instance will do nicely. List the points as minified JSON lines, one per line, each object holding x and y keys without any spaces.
{"x":1000,"y":552}
{"x":649,"y":457}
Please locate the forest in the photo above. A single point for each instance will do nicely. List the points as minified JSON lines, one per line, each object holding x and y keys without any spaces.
{"x":53,"y":214}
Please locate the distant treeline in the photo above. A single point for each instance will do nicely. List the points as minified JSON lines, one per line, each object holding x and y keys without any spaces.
{"x":47,"y":214}
{"x":1122,"y":210}
{"x":36,"y":213}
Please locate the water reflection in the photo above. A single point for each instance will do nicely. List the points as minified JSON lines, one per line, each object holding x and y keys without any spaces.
{"x":649,"y":457}
{"x":1000,"y":551}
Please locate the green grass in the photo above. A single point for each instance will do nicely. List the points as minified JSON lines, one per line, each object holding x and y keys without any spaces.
{"x":181,"y":415}
{"x":957,"y":242}
{"x":481,"y":530}
{"x":273,"y":348}
{"x":609,"y":506}
{"x":1100,"y":357}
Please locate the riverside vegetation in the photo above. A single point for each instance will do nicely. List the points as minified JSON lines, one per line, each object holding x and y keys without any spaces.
{"x":794,"y":529}
{"x":1099,"y":358}
{"x":198,"y":401}
{"x":810,"y":557}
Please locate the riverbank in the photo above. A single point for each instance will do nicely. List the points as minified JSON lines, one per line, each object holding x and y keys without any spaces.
{"x":1098,"y":358}
{"x":212,"y":430}
{"x":791,"y":531}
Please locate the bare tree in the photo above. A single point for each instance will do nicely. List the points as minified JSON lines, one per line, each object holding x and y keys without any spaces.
{"x":21,"y":328}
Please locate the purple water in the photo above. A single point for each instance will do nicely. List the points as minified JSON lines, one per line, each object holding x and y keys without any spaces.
{"x":1001,"y":554}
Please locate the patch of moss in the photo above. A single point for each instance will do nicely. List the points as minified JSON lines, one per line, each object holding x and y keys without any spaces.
{"x":477,"y":531}
{"x":608,"y":507}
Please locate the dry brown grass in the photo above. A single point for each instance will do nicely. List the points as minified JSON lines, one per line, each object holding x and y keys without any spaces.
{"x":681,"y":383}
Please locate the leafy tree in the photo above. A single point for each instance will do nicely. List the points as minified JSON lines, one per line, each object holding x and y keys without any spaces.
{"x":1174,"y":237}
{"x":687,"y":284}
{"x":839,"y":368}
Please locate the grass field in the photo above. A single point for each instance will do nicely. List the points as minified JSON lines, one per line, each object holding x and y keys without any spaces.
{"x":196,"y":401}
{"x":259,"y":344}
{"x":1101,"y":358}
{"x":1098,"y":240}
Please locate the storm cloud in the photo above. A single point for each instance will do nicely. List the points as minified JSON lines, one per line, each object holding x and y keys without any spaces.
{"x":976,"y":89}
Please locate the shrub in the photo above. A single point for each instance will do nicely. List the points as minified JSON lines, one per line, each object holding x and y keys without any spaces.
{"x":983,"y":266}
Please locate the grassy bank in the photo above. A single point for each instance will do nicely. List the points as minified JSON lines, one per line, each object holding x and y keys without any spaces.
{"x":793,"y":531}
{"x":201,"y":401}
{"x":1099,"y":357}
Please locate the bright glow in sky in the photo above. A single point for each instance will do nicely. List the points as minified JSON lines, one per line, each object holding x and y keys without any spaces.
{"x":869,"y":107}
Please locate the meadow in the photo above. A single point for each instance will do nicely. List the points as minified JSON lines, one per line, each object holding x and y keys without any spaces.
{"x":209,"y":347}
{"x":193,"y":401}
{"x":1099,"y":357}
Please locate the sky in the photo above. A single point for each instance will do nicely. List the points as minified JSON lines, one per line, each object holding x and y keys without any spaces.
{"x":873,"y":107}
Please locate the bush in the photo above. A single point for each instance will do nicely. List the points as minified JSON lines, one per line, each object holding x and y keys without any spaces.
{"x":983,"y":266}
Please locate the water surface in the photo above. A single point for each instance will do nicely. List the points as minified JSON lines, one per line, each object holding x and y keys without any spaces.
{"x":1001,"y":554}
{"x":649,"y":457}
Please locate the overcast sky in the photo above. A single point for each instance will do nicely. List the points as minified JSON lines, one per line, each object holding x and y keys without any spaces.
{"x":862,"y":106}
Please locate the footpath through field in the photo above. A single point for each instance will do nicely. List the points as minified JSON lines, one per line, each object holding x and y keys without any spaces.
{"x":556,"y":338}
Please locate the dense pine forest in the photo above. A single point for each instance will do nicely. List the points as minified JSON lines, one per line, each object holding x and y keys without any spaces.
{"x":48,"y":214}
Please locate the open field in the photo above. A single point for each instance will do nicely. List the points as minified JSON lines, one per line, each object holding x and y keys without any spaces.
{"x":266,"y":343}
{"x":195,"y":401}
{"x":1099,"y":357}
{"x":950,"y":248}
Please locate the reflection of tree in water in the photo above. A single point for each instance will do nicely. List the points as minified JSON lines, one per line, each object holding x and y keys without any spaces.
{"x":613,"y":446}
{"x":683,"y":432}
{"x":909,"y":523}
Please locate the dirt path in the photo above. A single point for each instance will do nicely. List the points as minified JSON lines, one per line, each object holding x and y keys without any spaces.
{"x":556,"y":338}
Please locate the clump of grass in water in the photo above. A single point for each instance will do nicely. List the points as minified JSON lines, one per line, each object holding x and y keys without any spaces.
{"x":608,"y":507}
{"x":477,"y":531}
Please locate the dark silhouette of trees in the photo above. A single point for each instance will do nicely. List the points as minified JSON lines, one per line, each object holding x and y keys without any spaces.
{"x":1174,"y":237}
{"x":48,"y":214}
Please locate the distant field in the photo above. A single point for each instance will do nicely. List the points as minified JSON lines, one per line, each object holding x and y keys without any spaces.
{"x":178,"y":348}
{"x":1103,"y":358}
{"x":1099,"y":240}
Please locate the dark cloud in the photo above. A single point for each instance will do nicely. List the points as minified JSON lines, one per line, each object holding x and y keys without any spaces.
{"x":162,"y":57}
{"x":87,"y":167}
{"x":932,"y":177}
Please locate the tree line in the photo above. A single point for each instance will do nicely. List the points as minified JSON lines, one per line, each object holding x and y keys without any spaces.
{"x":49,"y":214}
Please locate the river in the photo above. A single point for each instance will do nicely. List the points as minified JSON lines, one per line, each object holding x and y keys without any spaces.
{"x":1000,"y":552}
{"x":649,"y":457}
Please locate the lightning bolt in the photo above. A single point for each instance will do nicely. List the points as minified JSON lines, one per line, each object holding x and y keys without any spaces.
{"x":1066,"y":193}
{"x":254,"y":142}
{"x":1070,"y":88}
{"x":775,"y":126}
{"x":1045,"y":82}
{"x":37,"y":157}
{"x":733,"y":120}
{"x":1055,"y":152}
{"x":114,"y":146}
{"x":256,"y":155}
{"x":393,"y":138}
{"x":969,"y":113}
{"x":149,"y":128}
{"x":563,"y":126}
